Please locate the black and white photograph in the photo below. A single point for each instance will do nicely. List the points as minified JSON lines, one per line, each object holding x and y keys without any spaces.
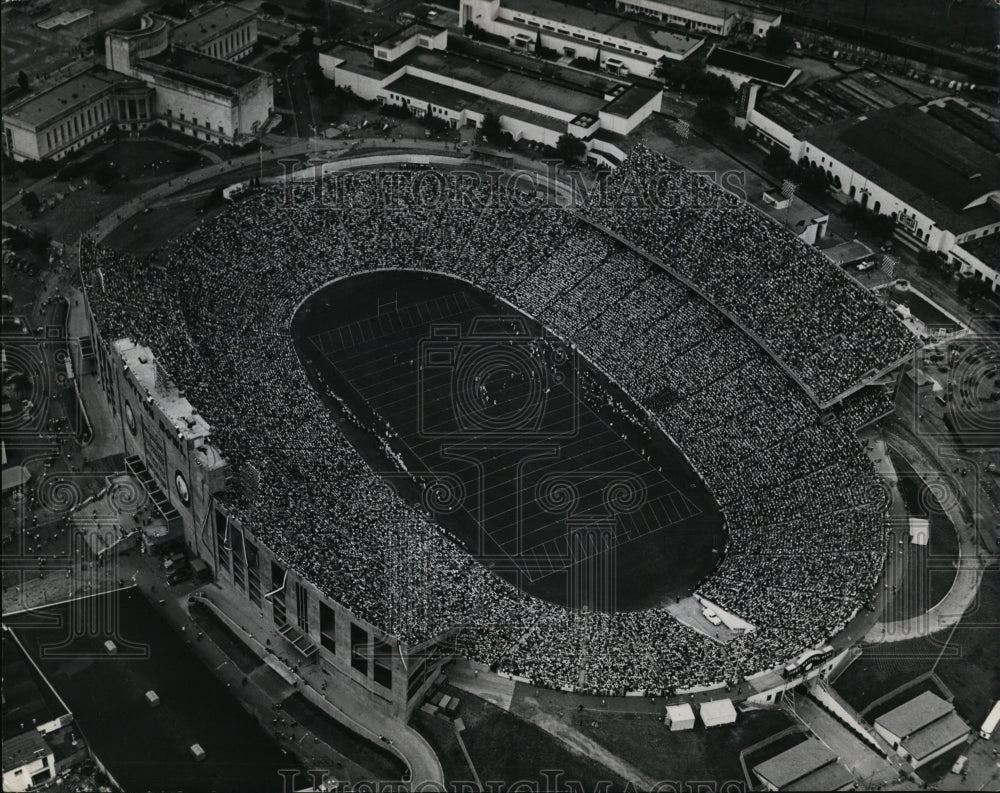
{"x":500,"y":396}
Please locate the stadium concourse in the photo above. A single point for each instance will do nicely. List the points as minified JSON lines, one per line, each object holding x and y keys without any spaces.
{"x":805,"y":512}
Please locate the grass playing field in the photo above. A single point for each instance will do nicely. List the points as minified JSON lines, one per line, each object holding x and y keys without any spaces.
{"x":535,"y":462}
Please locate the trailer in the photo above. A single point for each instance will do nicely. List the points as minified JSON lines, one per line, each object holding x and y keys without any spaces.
{"x":986,"y":731}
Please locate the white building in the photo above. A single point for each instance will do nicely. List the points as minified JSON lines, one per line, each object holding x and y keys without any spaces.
{"x":929,"y":168}
{"x":180,"y":76}
{"x":27,"y":761}
{"x":922,"y":729}
{"x":411,"y":69}
{"x":623,"y":45}
{"x":679,"y":717}
{"x":59,"y":120}
{"x":223,"y":31}
{"x":717,"y":712}
{"x":705,"y":16}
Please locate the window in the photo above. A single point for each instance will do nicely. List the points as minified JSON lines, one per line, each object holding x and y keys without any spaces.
{"x":302,"y":607}
{"x":278,"y":599}
{"x":359,"y":648}
{"x":327,"y":627}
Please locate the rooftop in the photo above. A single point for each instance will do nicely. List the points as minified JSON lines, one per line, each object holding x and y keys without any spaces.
{"x":711,"y":7}
{"x":164,"y":393}
{"x":201,"y":71}
{"x":77,"y":91}
{"x":24,"y":749}
{"x":209,"y":24}
{"x":795,"y":763}
{"x":397,"y":37}
{"x":830,"y":777}
{"x":758,"y":68}
{"x":612,"y":25}
{"x":824,"y":101}
{"x":796,"y":216}
{"x":937,"y":735}
{"x":921,"y":160}
{"x":455,"y":99}
{"x":914,"y":715}
{"x":630,"y":100}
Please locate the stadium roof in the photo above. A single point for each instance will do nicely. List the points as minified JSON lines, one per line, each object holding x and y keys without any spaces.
{"x":921,"y":160}
{"x":915,"y":714}
{"x":756,"y":68}
{"x":793,"y":764}
{"x":210,"y":24}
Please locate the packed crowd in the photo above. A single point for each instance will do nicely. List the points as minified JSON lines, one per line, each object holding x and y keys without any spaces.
{"x":826,"y":328}
{"x":804,"y":545}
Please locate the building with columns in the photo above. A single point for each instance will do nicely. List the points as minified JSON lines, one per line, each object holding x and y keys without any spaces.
{"x":182,"y":76}
{"x":57,"y":121}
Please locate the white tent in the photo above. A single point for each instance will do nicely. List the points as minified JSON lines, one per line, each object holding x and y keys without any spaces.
{"x":919,"y":531}
{"x":720,"y":711}
{"x":679,"y":717}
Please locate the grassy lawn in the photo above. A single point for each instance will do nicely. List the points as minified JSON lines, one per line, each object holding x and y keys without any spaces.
{"x":506,"y":749}
{"x":969,"y":664}
{"x":691,"y":754}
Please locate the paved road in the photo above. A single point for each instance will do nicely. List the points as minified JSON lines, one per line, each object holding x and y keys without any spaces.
{"x":860,"y":759}
{"x":949,"y":610}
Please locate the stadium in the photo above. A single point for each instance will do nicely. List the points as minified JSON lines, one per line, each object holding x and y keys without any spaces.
{"x":402,"y":429}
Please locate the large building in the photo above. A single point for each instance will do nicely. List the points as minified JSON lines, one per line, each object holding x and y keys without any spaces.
{"x":182,"y":76}
{"x":705,"y":16}
{"x":932,"y":168}
{"x":922,"y":729}
{"x":622,"y":45}
{"x":412,"y":69}
{"x":199,"y":89}
{"x":59,"y":120}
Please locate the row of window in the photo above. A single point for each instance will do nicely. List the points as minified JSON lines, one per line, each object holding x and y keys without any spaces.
{"x":80,"y":124}
{"x":223,"y":48}
{"x":582,"y":36}
{"x":237,"y":554}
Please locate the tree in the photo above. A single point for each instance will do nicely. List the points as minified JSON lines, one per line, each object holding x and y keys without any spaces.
{"x":713,"y":115}
{"x":30,"y":203}
{"x":313,"y":7}
{"x":778,"y":41}
{"x":491,"y":128}
{"x":106,"y":174}
{"x":306,"y":39}
{"x":570,"y":148}
{"x":779,"y":162}
{"x":41,"y":240}
{"x":22,"y":80}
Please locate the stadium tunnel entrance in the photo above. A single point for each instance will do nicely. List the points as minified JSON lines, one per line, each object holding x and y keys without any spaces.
{"x":529,"y":457}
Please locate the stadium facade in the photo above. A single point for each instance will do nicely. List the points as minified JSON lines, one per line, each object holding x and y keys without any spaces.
{"x":169,"y":450}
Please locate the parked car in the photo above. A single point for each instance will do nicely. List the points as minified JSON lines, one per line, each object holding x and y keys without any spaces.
{"x":178,"y":574}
